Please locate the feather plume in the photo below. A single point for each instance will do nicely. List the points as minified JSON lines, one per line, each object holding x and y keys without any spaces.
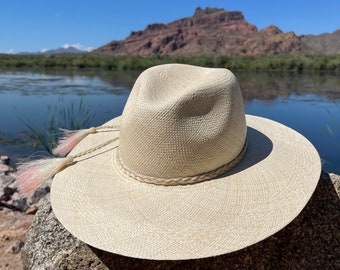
{"x":70,"y":139}
{"x":33,"y":174}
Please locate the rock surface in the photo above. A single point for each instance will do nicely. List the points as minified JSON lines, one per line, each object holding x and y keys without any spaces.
{"x":326,"y":43}
{"x":12,"y":199}
{"x":13,"y":229}
{"x":311,"y":241}
{"x":208,"y":32}
{"x":50,"y":246}
{"x":16,"y":215}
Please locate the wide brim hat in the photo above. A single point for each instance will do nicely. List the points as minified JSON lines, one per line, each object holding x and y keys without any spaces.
{"x":112,"y":200}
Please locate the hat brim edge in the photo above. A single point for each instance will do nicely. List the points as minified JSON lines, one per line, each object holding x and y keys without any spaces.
{"x":82,"y":197}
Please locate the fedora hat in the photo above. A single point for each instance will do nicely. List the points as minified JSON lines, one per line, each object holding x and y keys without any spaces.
{"x":188,"y":175}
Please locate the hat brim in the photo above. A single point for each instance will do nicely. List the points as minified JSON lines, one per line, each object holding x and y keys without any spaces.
{"x":261,"y":195}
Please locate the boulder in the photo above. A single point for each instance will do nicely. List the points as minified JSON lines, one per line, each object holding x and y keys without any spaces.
{"x":311,"y":241}
{"x":50,"y":246}
{"x":4,"y":160}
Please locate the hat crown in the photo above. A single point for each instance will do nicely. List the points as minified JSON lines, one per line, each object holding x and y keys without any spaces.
{"x":182,"y":121}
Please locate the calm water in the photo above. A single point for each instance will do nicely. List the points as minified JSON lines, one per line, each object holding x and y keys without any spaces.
{"x":309,"y":104}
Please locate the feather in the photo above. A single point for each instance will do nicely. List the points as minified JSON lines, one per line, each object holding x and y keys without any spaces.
{"x":32,"y":174}
{"x":70,"y":140}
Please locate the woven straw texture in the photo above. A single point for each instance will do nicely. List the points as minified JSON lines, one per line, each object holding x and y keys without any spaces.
{"x":180,"y":116}
{"x":261,"y":195}
{"x":158,"y":192}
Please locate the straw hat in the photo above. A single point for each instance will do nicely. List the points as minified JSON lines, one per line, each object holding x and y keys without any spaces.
{"x":191,"y":175}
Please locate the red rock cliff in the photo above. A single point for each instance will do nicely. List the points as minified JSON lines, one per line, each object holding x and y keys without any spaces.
{"x":210,"y":32}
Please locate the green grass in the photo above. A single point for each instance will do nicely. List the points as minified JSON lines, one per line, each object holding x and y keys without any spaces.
{"x":316,"y":63}
{"x":333,"y":127}
{"x":71,"y":116}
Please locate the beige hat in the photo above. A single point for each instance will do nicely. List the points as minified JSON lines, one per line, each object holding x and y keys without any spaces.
{"x":191,"y":175}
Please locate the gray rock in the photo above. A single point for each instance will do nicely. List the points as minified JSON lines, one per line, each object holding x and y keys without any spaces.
{"x":7,"y":179}
{"x":10,"y":197}
{"x":16,"y":247}
{"x":50,"y":246}
{"x":37,"y":195}
{"x":20,"y":203}
{"x":311,"y":241}
{"x":4,"y":160}
{"x":6,"y":193}
{"x":4,"y":168}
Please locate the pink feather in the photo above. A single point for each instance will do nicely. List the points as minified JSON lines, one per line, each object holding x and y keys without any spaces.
{"x":70,"y":140}
{"x":31,"y":175}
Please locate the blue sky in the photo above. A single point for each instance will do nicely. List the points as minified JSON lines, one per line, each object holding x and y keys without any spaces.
{"x":37,"y":25}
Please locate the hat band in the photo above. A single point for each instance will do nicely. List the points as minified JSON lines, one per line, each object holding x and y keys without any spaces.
{"x":182,"y":180}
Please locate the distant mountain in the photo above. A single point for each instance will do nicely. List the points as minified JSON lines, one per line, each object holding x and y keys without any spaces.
{"x":61,"y":50}
{"x":210,"y":31}
{"x":327,"y":43}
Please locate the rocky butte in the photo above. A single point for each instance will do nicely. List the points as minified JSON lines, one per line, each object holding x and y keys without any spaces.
{"x":326,"y":43}
{"x":209,"y":32}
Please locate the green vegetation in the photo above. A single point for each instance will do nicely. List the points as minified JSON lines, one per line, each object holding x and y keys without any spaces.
{"x":64,"y":115}
{"x":315,"y":63}
{"x":334,"y":126}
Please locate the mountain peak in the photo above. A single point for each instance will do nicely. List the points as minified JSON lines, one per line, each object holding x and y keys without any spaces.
{"x":216,"y":15}
{"x":60,"y":50}
{"x":199,"y":12}
{"x":271,"y":30}
{"x":209,"y":32}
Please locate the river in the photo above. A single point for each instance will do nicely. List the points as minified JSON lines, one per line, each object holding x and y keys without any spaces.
{"x":37,"y":100}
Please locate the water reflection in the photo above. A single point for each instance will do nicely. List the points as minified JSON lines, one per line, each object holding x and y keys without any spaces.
{"x":272,"y":85}
{"x":309,"y":103}
{"x":254,"y":85}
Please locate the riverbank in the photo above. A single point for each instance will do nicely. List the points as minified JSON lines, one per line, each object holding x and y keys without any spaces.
{"x":16,"y":215}
{"x":317,"y":227}
{"x":286,"y":63}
